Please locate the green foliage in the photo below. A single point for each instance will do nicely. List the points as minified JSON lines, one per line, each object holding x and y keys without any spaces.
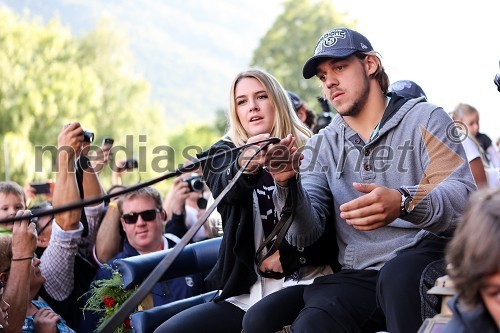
{"x":106,"y":297}
{"x":221,"y":121}
{"x":191,"y":140}
{"x":291,"y":41}
{"x":50,"y":78}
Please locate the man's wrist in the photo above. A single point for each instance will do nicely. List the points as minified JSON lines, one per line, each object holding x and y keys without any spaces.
{"x":283,"y":183}
{"x":22,"y":256}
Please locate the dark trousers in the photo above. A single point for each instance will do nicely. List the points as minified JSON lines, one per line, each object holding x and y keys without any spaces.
{"x":274,"y":311}
{"x":221,"y":317}
{"x":367,"y":300}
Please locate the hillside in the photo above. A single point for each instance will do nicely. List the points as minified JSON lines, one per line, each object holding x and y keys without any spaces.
{"x":187,"y":50}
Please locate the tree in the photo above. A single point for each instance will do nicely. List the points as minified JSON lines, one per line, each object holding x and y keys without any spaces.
{"x":290,"y":42}
{"x":49,"y":78}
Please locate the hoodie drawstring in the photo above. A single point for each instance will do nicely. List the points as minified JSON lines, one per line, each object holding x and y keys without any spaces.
{"x":341,"y":163}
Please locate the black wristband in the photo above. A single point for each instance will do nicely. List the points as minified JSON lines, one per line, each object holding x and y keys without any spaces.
{"x":21,"y":259}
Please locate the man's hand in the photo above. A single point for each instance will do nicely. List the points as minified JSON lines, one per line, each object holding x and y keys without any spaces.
{"x":24,"y":237}
{"x":258,"y":160}
{"x":377,"y":208}
{"x":45,"y":320}
{"x":283,"y":160}
{"x":178,"y":195}
{"x":99,"y":157}
{"x":70,"y":140}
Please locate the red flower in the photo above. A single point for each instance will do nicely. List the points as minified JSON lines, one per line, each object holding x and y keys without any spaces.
{"x":109,"y":302}
{"x":126,"y":323}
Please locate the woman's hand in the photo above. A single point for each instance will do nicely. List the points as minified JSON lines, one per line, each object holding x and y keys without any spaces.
{"x":256,"y":162}
{"x":283,"y":160}
{"x":272,"y":263}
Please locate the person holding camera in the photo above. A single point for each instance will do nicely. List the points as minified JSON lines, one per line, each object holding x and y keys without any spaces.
{"x":66,"y":262}
{"x":20,"y":274}
{"x":259,"y":108}
{"x":182,"y":203}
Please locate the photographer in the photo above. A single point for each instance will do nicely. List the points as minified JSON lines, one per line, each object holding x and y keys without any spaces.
{"x":122,"y":167}
{"x":185,"y":204}
{"x":65,"y":263}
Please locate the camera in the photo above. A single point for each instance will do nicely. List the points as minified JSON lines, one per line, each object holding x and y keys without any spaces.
{"x":130,"y":164}
{"x":88,"y":136}
{"x":195,"y":183}
{"x":108,"y":141}
{"x":41,"y":188}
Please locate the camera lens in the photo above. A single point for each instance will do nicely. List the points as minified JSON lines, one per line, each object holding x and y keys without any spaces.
{"x":88,"y":136}
{"x":131,"y":164}
{"x":195,"y":183}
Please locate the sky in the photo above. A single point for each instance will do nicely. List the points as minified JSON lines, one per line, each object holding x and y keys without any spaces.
{"x":450,"y":48}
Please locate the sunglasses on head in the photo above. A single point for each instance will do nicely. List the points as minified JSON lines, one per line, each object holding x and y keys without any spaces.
{"x":147,"y":215}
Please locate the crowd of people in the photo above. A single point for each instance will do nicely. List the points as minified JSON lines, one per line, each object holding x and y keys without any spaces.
{"x":368,"y":199}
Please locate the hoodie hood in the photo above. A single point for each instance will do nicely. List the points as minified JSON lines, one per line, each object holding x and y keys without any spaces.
{"x":395,"y":111}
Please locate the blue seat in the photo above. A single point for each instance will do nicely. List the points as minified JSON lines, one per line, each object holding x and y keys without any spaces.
{"x":194,"y":258}
{"x":148,"y":320}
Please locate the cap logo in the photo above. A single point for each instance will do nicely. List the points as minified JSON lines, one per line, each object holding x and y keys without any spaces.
{"x":329,"y":39}
{"x":363,"y":46}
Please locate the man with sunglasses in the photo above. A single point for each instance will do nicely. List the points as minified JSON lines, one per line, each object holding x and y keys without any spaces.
{"x":142,"y":221}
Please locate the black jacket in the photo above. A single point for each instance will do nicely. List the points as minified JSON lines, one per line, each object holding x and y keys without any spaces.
{"x":234,"y":272}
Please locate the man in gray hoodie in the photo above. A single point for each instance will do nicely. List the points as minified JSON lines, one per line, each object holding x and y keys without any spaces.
{"x":390,"y":173}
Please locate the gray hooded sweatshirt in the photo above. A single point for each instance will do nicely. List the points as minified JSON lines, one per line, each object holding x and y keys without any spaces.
{"x":416,"y":147}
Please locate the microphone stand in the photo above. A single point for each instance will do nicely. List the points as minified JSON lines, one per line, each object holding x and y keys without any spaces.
{"x":186,"y":168}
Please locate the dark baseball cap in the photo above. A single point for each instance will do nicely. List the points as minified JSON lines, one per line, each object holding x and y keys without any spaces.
{"x":407,"y":88}
{"x":296,"y":101}
{"x":336,"y":43}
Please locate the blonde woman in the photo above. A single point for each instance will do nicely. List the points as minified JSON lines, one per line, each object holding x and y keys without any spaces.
{"x":259,"y":108}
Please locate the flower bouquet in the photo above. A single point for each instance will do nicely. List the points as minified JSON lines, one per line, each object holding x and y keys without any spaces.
{"x":106,"y":297}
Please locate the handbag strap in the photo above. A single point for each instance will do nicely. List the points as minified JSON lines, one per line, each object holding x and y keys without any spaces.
{"x":276,"y":236}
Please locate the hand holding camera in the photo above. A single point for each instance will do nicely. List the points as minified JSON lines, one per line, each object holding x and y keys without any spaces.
{"x":70,"y":140}
{"x":178,"y":195}
{"x":195,"y":183}
{"x":101,"y":155}
{"x":24,"y":237}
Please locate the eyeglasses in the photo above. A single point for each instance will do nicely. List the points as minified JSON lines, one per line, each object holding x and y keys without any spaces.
{"x":147,"y":215}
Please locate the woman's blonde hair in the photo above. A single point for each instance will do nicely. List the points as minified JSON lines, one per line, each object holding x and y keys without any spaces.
{"x":462,"y":110}
{"x":286,"y":120}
